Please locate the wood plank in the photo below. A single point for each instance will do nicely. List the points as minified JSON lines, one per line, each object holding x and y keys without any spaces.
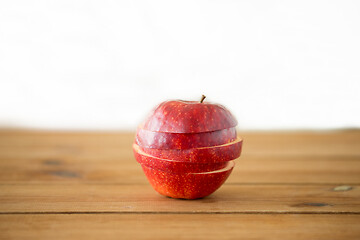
{"x":107,"y":157}
{"x":179,"y":226}
{"x":110,"y":165}
{"x":341,"y":142}
{"x":76,"y":198}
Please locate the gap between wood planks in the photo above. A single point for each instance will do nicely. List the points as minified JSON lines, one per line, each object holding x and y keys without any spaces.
{"x":147,"y":184}
{"x":179,"y":213}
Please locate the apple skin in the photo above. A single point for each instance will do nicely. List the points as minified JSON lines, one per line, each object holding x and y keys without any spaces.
{"x":189,"y":117}
{"x":171,"y":166}
{"x":162,"y":140}
{"x":187,"y":185}
{"x":214,"y":154}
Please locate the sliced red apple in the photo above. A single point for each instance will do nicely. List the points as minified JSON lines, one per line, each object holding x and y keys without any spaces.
{"x":189,"y":117}
{"x":220,"y":153}
{"x":187,"y":185}
{"x":174,"y":166}
{"x":161,"y":140}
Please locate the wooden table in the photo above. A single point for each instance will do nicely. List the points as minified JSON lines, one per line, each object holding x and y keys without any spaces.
{"x":286,"y":185}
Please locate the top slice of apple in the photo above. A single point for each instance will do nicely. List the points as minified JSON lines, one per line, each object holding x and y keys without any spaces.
{"x":179,"y":116}
{"x":163,"y":140}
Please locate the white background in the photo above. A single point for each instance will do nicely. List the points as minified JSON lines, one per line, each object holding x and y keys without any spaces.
{"x":102,"y":65}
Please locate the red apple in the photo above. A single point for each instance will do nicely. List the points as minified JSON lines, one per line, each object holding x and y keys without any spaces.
{"x":172,"y":166}
{"x":165,"y":140}
{"x":186,"y":148}
{"x":187,"y":185}
{"x":219,"y":153}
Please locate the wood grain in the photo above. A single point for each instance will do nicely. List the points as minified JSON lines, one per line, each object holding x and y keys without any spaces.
{"x":142,"y":198}
{"x":345,"y":143}
{"x":311,"y":157}
{"x":179,"y":226}
{"x":36,"y":164}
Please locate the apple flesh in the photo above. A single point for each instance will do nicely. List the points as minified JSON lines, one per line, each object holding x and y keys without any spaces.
{"x":161,"y":140}
{"x":219,"y":153}
{"x":187,"y":185}
{"x":189,"y":117}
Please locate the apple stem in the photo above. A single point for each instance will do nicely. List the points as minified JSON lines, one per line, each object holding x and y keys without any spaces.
{"x":202,"y":98}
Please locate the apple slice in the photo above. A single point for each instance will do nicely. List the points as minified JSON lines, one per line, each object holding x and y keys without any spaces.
{"x":187,"y":185}
{"x":171,"y":166}
{"x":219,"y":153}
{"x":189,"y":117}
{"x":161,"y":140}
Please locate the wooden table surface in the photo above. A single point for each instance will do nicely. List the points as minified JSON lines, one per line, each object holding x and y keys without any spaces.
{"x":81,"y":185}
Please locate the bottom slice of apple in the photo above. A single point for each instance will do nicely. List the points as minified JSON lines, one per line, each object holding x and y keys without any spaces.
{"x":187,"y":185}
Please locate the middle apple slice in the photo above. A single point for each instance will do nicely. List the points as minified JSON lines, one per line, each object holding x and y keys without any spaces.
{"x":171,"y":166}
{"x":213,"y":154}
